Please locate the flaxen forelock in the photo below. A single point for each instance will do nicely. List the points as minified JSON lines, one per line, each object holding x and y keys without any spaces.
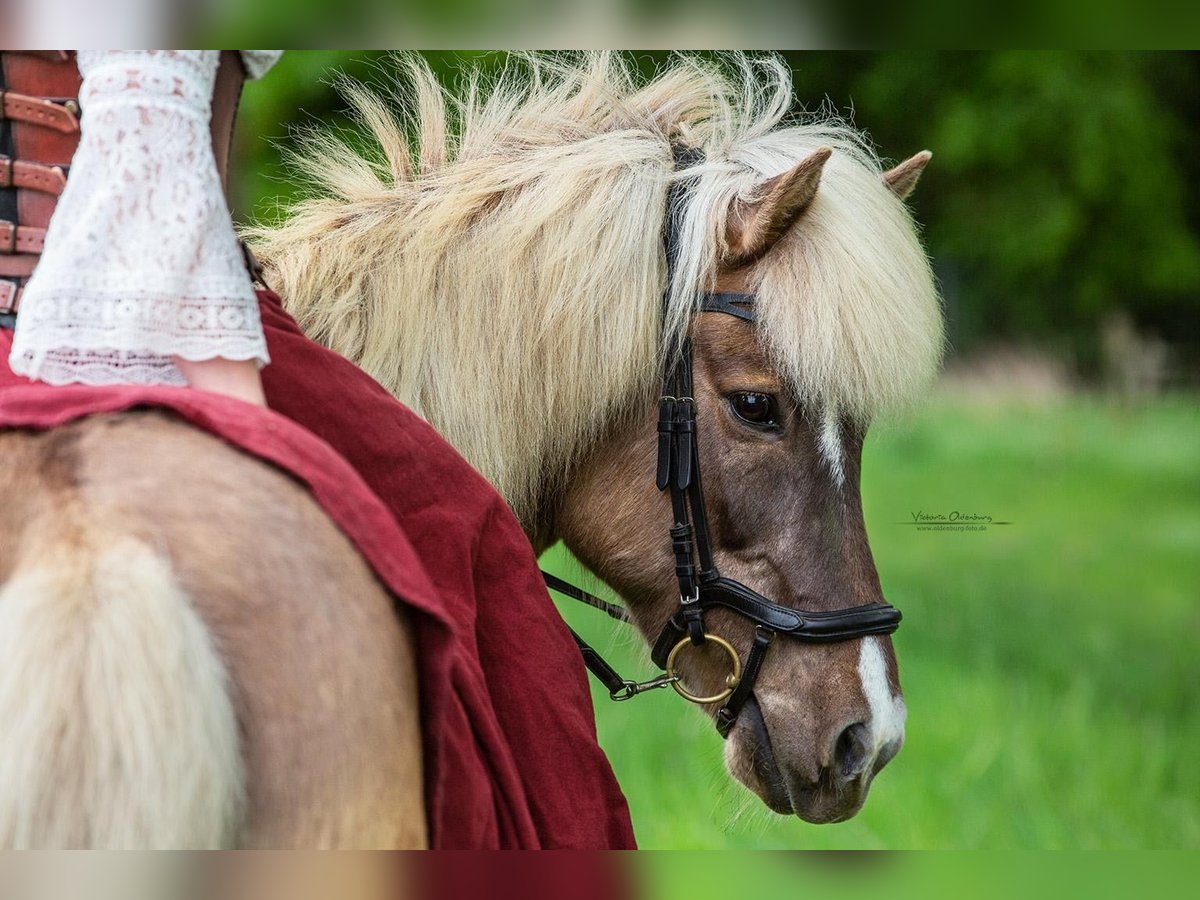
{"x":498,"y":264}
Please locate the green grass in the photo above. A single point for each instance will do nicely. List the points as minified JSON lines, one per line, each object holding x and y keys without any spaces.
{"x":1050,"y":666}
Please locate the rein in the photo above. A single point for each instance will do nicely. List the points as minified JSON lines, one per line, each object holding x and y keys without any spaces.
{"x":701,"y":586}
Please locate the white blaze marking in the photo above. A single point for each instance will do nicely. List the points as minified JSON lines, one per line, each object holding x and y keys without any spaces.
{"x":830,"y":440}
{"x":887,"y":712}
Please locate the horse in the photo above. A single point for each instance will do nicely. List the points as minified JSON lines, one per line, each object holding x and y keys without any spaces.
{"x":495,"y":261}
{"x":162,"y":684}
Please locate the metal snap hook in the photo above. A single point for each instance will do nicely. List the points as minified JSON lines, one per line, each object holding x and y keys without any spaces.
{"x":630,"y":689}
{"x":731,"y":680}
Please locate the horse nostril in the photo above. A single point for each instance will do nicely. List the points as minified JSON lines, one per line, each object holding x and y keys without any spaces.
{"x":851,"y":753}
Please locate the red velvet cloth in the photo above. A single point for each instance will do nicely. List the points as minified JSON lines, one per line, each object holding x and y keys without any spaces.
{"x":510,"y":745}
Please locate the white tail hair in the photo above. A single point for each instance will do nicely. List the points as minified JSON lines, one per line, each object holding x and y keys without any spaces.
{"x":119,"y":728}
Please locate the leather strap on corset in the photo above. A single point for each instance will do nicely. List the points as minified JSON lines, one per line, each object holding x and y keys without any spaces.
{"x":39,"y":132}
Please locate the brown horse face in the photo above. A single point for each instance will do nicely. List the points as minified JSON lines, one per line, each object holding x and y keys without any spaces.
{"x":781,"y":488}
{"x":781,"y":485}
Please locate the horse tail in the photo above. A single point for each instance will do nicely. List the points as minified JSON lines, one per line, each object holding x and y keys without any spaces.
{"x":118,"y":727}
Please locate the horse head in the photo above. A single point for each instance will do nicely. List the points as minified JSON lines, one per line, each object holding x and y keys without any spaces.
{"x":536,"y":235}
{"x":781,"y":483}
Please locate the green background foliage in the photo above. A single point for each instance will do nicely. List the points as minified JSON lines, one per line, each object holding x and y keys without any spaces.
{"x":1050,"y":665}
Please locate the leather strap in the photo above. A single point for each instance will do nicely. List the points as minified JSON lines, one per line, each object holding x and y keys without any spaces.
{"x":10,"y":296}
{"x":39,"y":130}
{"x":16,"y":238}
{"x":32,"y":176}
{"x":569,"y":590}
{"x":730,"y":304}
{"x":728,"y":713}
{"x":18,"y":265}
{"x":812,"y":626}
{"x":807,"y":626}
{"x":598,"y":666}
{"x":59,"y":114}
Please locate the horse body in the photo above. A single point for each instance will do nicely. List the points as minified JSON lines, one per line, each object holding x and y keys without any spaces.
{"x":174,"y":680}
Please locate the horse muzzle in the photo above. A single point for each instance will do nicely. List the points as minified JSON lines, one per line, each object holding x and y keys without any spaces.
{"x":818,"y":792}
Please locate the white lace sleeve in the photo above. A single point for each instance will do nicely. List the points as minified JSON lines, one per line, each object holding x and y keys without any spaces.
{"x":140,"y":261}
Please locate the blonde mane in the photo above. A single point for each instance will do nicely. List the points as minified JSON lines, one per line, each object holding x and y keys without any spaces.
{"x":496,"y":261}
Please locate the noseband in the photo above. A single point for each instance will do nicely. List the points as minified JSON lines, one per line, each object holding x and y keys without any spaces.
{"x":701,"y":586}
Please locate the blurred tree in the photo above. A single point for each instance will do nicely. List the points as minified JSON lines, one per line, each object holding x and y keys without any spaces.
{"x":1058,"y":192}
{"x":1062,"y":187}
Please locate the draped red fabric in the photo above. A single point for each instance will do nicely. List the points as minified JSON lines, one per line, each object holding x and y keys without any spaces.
{"x":512,"y":759}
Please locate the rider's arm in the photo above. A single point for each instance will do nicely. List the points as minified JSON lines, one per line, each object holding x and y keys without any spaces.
{"x":141,"y":279}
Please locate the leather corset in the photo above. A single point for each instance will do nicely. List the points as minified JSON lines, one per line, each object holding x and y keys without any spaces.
{"x":39,"y":132}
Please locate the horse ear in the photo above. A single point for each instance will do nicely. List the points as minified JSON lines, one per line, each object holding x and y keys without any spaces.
{"x":904,"y":177}
{"x":755,"y":225}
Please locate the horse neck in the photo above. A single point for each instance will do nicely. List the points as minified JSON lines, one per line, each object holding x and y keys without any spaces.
{"x":522,"y":375}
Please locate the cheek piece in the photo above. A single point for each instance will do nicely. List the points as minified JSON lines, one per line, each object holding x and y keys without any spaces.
{"x":701,"y":586}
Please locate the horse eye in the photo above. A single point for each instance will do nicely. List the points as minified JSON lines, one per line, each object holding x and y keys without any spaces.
{"x":757,"y":409}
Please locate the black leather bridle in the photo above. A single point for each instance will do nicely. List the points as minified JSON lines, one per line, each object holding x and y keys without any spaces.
{"x":701,"y":586}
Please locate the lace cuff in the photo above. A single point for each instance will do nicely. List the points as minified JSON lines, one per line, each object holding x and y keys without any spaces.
{"x":141,"y":262}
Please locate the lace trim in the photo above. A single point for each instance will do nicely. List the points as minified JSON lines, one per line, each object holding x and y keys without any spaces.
{"x":66,"y":369}
{"x":182,"y":74}
{"x":114,"y":367}
{"x":161,"y":317}
{"x":132,"y":338}
{"x":106,"y":365}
